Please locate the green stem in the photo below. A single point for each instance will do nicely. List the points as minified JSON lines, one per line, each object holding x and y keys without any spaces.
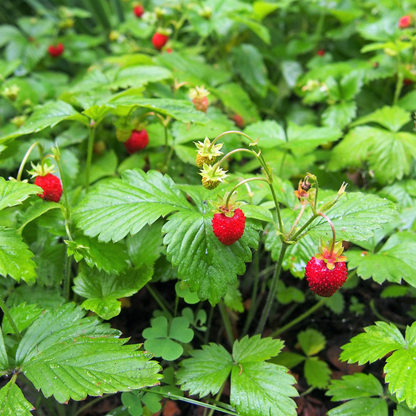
{"x":399,"y":83}
{"x":231,"y":132}
{"x":302,"y":210}
{"x":89,"y":157}
{"x":217,"y":165}
{"x":299,"y":318}
{"x":276,"y":203}
{"x":333,"y":231}
{"x":306,"y":225}
{"x":273,"y":289}
{"x":239,"y":184}
{"x":92,"y":402}
{"x":191,"y":401}
{"x":227,"y":323}
{"x":156,"y":297}
{"x":67,"y":281}
{"x":211,"y":314}
{"x":6,"y":312}
{"x":379,"y":316}
{"x":22,"y":165}
{"x":217,"y":397}
{"x":253,"y":308}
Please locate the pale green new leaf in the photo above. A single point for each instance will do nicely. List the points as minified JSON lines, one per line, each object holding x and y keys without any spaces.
{"x":12,"y":401}
{"x":355,"y":216}
{"x":15,"y":256}
{"x":206,"y":371}
{"x":121,"y":207}
{"x":371,"y":406}
{"x":317,"y":373}
{"x":48,"y":115}
{"x":393,"y":262}
{"x":256,"y":349}
{"x":377,"y":341}
{"x":354,"y":386}
{"x":103,"y":290}
{"x":202,"y":260}
{"x":69,"y":356}
{"x":311,"y":341}
{"x":260,"y":388}
{"x":392,"y":118}
{"x":14,"y":193}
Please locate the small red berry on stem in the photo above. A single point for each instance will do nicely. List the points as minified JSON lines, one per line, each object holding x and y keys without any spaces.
{"x":238,"y":120}
{"x":199,"y":98}
{"x":229,"y":229}
{"x":159,"y":40}
{"x":320,"y":52}
{"x":404,"y":22}
{"x":51,"y":185}
{"x":57,"y":50}
{"x":138,"y":11}
{"x":138,"y":140}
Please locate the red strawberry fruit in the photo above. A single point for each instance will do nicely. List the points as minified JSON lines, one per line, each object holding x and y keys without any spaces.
{"x":201,"y":104}
{"x":138,"y":141}
{"x":159,"y":40}
{"x":320,"y":52}
{"x":51,"y":185}
{"x":238,"y":120}
{"x":404,"y":22}
{"x":327,"y":272}
{"x":138,"y":11}
{"x":56,"y":51}
{"x":228,"y":230}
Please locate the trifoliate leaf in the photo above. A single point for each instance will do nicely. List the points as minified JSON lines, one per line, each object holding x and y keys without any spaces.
{"x":182,"y":290}
{"x":203,"y":262}
{"x":67,"y":355}
{"x":355,"y":216}
{"x":393,"y":262}
{"x":161,"y":337}
{"x":311,"y":341}
{"x":12,"y":401}
{"x":377,"y":341}
{"x":317,"y":373}
{"x":256,"y":349}
{"x":372,"y":406}
{"x":206,"y":371}
{"x":103,"y":290}
{"x":110,"y":257}
{"x":23,"y":315}
{"x":259,"y":388}
{"x":15,"y":257}
{"x":354,"y":386}
{"x":119,"y":207}
{"x":14,"y":193}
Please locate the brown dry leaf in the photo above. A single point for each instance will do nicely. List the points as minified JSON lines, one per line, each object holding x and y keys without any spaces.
{"x":345,"y":368}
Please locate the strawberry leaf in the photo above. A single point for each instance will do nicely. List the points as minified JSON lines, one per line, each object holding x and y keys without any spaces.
{"x":355,"y":216}
{"x":103,"y":290}
{"x":119,"y":207}
{"x":206,"y":371}
{"x":393,"y":262}
{"x":203,"y":262}
{"x":15,"y":257}
{"x":35,"y":211}
{"x":23,"y":315}
{"x":372,"y":406}
{"x":12,"y":401}
{"x":69,"y":356}
{"x":256,"y":349}
{"x":14,"y":193}
{"x":311,"y":341}
{"x":317,"y":373}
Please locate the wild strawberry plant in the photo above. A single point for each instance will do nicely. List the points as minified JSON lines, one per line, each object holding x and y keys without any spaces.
{"x":215,"y":180}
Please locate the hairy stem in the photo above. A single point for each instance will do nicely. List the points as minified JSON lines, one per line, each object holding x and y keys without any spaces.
{"x":333,"y":231}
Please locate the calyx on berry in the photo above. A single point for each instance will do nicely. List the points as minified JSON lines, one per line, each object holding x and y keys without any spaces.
{"x":212,"y":176}
{"x":221,"y":207}
{"x":41,"y":169}
{"x":207,"y":153}
{"x":331,"y":253}
{"x":199,"y":98}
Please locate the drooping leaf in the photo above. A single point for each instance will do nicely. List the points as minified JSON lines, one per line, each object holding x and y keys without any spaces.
{"x":355,"y":216}
{"x":15,"y":256}
{"x":206,"y":371}
{"x":203,"y":261}
{"x":12,"y":401}
{"x":393,"y":262}
{"x":14,"y":193}
{"x":103,"y":290}
{"x":69,"y":356}
{"x":121,"y":207}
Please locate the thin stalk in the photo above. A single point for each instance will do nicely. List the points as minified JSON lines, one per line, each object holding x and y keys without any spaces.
{"x":231,"y":132}
{"x":299,"y":318}
{"x":89,"y":404}
{"x":282,"y":163}
{"x":89,"y":156}
{"x":156,"y":297}
{"x":272,"y":292}
{"x":176,"y":306}
{"x":6,"y":312}
{"x":302,"y":210}
{"x":333,"y":231}
{"x":379,"y":316}
{"x":306,"y":225}
{"x":217,"y":397}
{"x":66,"y":290}
{"x":191,"y":401}
{"x":399,"y":83}
{"x":217,"y":165}
{"x":211,"y":314}
{"x":167,"y":153}
{"x":239,"y":184}
{"x":253,"y":305}
{"x":22,"y":165}
{"x":227,"y":323}
{"x":276,"y":203}
{"x":316,"y":194}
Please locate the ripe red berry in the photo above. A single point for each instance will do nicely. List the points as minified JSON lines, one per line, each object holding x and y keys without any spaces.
{"x":320,"y":52}
{"x":56,"y":51}
{"x":51,"y":185}
{"x":323,"y":281}
{"x":138,"y":11}
{"x":404,"y":22}
{"x":229,"y":229}
{"x":201,"y":103}
{"x":238,"y":120}
{"x":159,"y":40}
{"x":407,"y":81}
{"x":138,"y":140}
